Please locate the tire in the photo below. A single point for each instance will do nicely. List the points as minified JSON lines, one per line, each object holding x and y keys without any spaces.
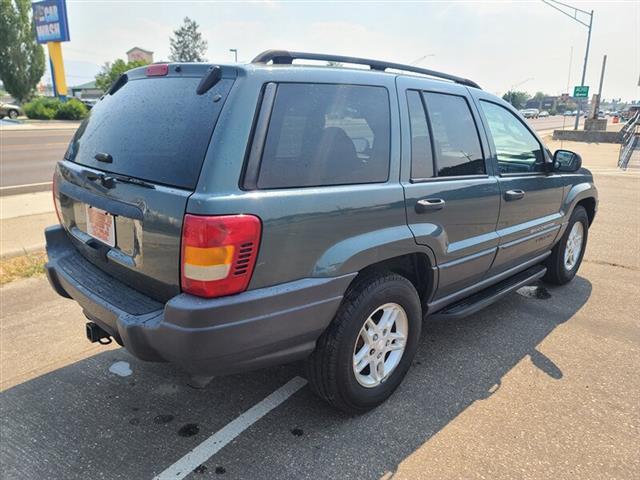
{"x":13,"y":114}
{"x":560,"y":271}
{"x":331,"y":366}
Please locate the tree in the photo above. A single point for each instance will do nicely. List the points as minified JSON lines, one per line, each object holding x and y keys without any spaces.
{"x":516,"y":98}
{"x":21,"y":57}
{"x":539,"y":96}
{"x":187,"y":44}
{"x":111,"y":72}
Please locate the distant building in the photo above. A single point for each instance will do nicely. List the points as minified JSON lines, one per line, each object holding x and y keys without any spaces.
{"x":547,"y":103}
{"x":86,"y":91}
{"x":137,"y":53}
{"x":45,"y":89}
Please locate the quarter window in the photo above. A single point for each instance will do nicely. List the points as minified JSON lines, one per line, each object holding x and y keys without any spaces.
{"x":455,"y":138}
{"x":517,"y":150}
{"x":421,"y":153}
{"x":322,"y":134}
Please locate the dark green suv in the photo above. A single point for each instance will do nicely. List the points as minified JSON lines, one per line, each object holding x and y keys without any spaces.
{"x":227,"y":217}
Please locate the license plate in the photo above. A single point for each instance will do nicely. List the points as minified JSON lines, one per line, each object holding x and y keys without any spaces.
{"x":101,"y":225}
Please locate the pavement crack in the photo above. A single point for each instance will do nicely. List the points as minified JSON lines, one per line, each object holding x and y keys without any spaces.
{"x":612,"y":264}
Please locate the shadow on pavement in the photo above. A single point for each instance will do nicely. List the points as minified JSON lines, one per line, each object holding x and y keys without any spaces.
{"x":82,"y":421}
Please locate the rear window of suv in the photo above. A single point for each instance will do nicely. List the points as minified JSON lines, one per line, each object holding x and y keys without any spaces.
{"x":155,"y":129}
{"x":326,"y":134}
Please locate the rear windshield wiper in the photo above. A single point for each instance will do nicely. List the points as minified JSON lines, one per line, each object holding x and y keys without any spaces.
{"x":209,"y":80}
{"x":118,"y":84}
{"x":134,"y":181}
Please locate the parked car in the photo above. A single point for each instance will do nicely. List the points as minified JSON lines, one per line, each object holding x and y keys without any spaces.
{"x":89,"y":102}
{"x":10,"y":110}
{"x":530,"y":113}
{"x":543,"y":114}
{"x":288,"y":212}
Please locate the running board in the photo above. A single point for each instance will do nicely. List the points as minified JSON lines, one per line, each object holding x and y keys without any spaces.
{"x":483,"y":298}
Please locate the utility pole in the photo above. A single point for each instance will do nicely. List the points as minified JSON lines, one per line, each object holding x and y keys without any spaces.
{"x":604,"y":65}
{"x":598,"y":101}
{"x":574,"y":16}
{"x":235,"y":53}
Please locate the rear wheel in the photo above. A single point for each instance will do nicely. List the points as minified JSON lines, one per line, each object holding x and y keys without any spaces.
{"x":566,"y":256}
{"x":367,"y":349}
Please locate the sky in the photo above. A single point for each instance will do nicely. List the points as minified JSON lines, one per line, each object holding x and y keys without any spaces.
{"x":500,"y":45}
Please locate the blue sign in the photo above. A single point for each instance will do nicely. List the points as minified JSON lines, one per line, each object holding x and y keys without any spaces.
{"x":50,"y":17}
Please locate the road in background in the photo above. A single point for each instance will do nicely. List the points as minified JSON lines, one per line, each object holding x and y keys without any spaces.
{"x":557,"y":122}
{"x":28,"y":156}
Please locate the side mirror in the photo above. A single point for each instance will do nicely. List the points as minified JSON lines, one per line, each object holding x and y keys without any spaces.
{"x":566,"y":161}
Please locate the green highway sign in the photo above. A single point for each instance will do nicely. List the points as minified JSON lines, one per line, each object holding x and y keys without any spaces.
{"x":580,"y":92}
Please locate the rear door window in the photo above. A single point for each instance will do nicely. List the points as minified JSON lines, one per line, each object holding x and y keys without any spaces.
{"x":455,"y":137}
{"x":155,"y":129}
{"x":325,"y":134}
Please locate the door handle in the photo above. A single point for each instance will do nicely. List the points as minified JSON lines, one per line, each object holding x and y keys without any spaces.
{"x":425,"y":205}
{"x":511,"y":195}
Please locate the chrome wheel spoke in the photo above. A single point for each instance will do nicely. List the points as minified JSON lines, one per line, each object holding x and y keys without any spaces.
{"x":387,"y":320}
{"x":397,"y":342}
{"x":361,"y":359}
{"x":377,"y":370}
{"x":369,"y":330}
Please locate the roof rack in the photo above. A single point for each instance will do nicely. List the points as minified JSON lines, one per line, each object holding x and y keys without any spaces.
{"x":286,"y":57}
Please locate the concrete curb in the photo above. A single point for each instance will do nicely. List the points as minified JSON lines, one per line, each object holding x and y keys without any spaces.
{"x":19,"y":253}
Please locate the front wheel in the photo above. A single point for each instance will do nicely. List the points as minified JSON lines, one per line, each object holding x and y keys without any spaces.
{"x":566,"y":256}
{"x":13,"y":114}
{"x":367,"y":349}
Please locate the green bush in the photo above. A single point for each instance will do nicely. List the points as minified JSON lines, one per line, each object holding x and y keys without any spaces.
{"x":42,"y":108}
{"x":72,"y":109}
{"x":47,"y":108}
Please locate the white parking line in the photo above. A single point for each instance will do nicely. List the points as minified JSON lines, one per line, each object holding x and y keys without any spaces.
{"x":218,"y":440}
{"x":26,"y":185}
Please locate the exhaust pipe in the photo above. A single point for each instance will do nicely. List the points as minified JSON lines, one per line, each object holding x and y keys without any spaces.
{"x":96,"y":334}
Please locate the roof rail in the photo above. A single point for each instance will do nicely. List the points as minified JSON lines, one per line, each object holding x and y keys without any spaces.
{"x":286,"y":57}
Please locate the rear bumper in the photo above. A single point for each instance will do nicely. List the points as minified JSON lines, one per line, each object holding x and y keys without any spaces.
{"x":250,"y":330}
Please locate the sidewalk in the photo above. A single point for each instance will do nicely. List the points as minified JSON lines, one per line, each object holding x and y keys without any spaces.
{"x":23,"y":219}
{"x":27,"y":124}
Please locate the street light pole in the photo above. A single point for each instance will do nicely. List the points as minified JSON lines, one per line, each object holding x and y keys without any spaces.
{"x":584,"y":68}
{"x":418,"y":60}
{"x":235,"y":53}
{"x":559,"y":6}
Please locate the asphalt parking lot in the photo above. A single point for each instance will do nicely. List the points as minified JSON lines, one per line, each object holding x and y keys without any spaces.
{"x":543,"y":384}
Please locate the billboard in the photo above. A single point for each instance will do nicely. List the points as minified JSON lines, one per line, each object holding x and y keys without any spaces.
{"x":50,"y":17}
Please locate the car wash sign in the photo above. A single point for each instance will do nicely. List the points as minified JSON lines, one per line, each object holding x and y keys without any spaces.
{"x":50,"y":17}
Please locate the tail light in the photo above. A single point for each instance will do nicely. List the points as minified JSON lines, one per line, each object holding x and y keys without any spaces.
{"x":218,"y":253}
{"x":56,"y":199}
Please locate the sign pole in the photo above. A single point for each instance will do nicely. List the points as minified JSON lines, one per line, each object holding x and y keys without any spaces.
{"x":57,"y":70}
